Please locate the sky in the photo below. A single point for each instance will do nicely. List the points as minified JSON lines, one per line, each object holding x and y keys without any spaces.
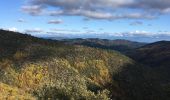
{"x":137,"y":20}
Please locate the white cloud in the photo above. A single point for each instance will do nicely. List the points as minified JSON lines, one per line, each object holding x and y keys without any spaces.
{"x":13,"y":29}
{"x":58,"y":21}
{"x":35,"y":30}
{"x":64,"y":30}
{"x":33,"y":9}
{"x":140,"y":33}
{"x":21,"y":20}
{"x":136,"y":23}
{"x":102,"y":15}
{"x":136,"y":33}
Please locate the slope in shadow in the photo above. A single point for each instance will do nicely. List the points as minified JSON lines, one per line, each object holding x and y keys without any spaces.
{"x":137,"y":82}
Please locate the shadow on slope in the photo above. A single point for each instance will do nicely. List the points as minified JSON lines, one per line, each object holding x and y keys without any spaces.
{"x":12,"y":43}
{"x":140,"y":83}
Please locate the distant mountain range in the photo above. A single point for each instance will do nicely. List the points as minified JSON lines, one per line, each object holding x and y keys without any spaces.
{"x":120,"y":45}
{"x":138,"y":38}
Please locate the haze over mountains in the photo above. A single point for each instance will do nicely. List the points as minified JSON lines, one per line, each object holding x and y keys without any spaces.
{"x":139,"y":37}
{"x":82,"y":69}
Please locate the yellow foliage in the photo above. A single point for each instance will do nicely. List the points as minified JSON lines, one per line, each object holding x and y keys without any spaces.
{"x":29,"y":79}
{"x":13,"y":93}
{"x":32,"y":76}
{"x":104,"y":75}
{"x":20,"y":55}
{"x":80,"y":65}
{"x":8,"y":74}
{"x":5,"y":63}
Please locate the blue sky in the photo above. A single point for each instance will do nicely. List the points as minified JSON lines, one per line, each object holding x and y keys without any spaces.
{"x":138,"y":20}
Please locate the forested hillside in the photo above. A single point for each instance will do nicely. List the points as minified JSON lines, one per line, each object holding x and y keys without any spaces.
{"x":37,"y":69}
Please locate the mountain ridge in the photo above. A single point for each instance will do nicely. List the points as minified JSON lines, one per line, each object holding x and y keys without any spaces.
{"x":120,"y":45}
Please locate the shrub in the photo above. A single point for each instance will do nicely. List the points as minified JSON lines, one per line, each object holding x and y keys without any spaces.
{"x":13,"y":93}
{"x":32,"y":76}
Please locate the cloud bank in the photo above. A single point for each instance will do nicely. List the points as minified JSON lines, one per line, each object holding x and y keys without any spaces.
{"x":100,"y":9}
